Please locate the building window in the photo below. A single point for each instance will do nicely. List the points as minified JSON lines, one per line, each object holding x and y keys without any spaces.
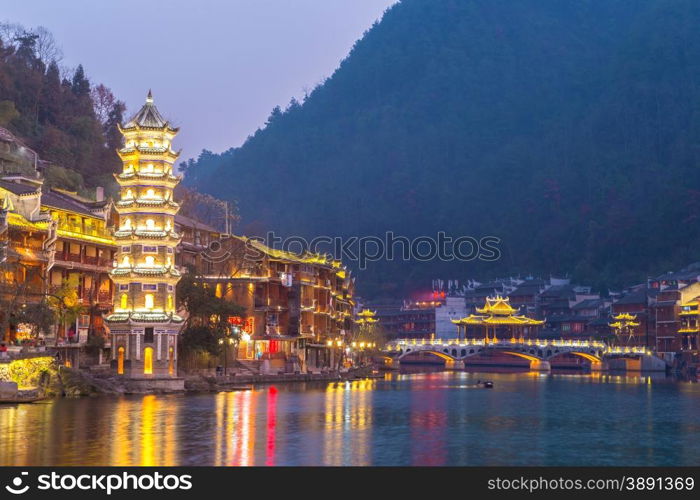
{"x":120,"y":361}
{"x":170,"y":250}
{"x":149,"y":249}
{"x":171,"y":288}
{"x":126,"y":249}
{"x":148,"y":361}
{"x":124,"y":301}
{"x":124,"y":288}
{"x":148,"y":300}
{"x":149,"y":287}
{"x":170,"y":302}
{"x":148,"y":335}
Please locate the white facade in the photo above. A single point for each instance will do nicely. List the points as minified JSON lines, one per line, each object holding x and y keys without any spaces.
{"x":453,"y":308}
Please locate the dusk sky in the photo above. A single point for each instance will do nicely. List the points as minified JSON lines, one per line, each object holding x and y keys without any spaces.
{"x":216,"y":68}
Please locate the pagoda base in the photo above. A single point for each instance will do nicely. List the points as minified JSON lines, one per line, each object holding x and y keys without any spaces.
{"x":145,"y":352}
{"x":151,"y":385}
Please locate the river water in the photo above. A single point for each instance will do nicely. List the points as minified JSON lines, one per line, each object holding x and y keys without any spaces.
{"x":404,"y":419}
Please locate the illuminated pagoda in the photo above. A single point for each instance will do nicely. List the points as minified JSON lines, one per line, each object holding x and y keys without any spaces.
{"x":623,"y":326}
{"x":144,"y":326}
{"x":497,"y":316}
{"x":366,"y":318}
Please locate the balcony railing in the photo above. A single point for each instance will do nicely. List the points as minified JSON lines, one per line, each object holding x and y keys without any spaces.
{"x":72,"y":257}
{"x":30,"y":245}
{"x":83,"y":259}
{"x":88,"y":231}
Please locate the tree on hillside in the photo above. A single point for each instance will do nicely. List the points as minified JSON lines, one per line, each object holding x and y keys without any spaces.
{"x":56,"y":117}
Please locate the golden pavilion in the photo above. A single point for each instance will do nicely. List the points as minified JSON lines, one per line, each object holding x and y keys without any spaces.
{"x":497,"y":317}
{"x":366,"y":317}
{"x":623,"y":325}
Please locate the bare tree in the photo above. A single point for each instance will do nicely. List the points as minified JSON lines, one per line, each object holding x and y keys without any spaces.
{"x":103,"y":100}
{"x":9,"y":32}
{"x":45,"y":46}
{"x":47,"y":50}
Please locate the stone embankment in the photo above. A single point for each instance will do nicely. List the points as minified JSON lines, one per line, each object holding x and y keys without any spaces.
{"x":198,"y":383}
{"x":69,"y":382}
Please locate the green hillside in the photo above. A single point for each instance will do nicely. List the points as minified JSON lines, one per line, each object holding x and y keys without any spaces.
{"x":568,"y":128}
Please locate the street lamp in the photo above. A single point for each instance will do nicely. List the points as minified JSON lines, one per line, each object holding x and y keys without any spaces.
{"x":227,"y":341}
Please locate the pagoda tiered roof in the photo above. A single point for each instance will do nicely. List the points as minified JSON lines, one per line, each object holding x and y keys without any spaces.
{"x":132,"y":177}
{"x":143,"y":317}
{"x":497,"y":311}
{"x":624,"y":320}
{"x":367,"y":316}
{"x":148,"y":117}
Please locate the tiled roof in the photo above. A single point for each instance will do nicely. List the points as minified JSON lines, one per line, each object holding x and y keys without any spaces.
{"x":189,"y":222}
{"x":524,"y":290}
{"x":64,"y":202}
{"x":588,"y":304}
{"x":17,"y":188}
{"x":638,"y":297}
{"x":558,"y":291}
{"x":7,"y":136}
{"x":147,"y":116}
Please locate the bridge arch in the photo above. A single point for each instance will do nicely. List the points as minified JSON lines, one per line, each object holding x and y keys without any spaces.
{"x":535,"y":362}
{"x":443,"y":355}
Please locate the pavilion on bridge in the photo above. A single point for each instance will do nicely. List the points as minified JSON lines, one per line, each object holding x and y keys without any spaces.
{"x":497,"y":317}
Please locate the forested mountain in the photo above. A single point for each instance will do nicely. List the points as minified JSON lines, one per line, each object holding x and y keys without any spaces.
{"x":568,"y":128}
{"x":68,"y":121}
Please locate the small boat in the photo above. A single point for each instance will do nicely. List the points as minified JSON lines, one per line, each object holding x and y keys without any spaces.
{"x":487,"y":385}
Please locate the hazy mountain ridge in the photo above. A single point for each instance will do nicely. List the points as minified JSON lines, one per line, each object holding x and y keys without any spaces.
{"x":567,"y":128}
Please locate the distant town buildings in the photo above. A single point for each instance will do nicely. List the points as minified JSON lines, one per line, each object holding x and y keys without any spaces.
{"x":665,"y":310}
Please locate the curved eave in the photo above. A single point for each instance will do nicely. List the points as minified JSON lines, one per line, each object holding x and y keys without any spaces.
{"x":141,"y":318}
{"x":126,"y":155}
{"x":146,"y":210}
{"x":138,"y":179}
{"x":147,"y":236}
{"x":136,"y":127}
{"x":136,"y":272}
{"x":506,"y":321}
{"x":136,"y":204}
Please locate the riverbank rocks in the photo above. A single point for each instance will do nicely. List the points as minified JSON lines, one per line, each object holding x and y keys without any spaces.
{"x":76,"y":383}
{"x":8,"y":390}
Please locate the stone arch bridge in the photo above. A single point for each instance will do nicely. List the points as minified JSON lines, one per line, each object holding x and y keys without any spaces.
{"x":537,"y":352}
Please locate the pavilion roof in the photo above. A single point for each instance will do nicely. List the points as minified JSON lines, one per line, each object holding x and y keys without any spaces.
{"x":148,"y":117}
{"x":498,"y":306}
{"x":497,"y":311}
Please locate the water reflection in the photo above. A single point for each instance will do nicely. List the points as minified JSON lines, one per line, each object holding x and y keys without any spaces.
{"x":145,"y":432}
{"x":437,"y":418}
{"x":348,"y":420}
